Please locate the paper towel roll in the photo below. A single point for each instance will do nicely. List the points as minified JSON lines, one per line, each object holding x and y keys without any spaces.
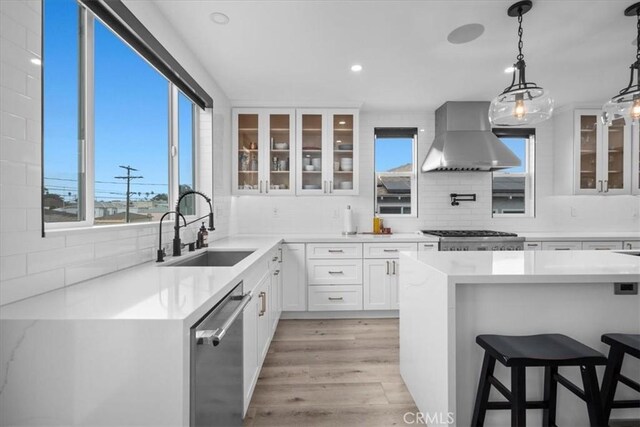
{"x":348,"y":227}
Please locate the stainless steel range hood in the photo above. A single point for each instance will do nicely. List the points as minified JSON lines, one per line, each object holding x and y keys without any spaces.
{"x":464,"y":141}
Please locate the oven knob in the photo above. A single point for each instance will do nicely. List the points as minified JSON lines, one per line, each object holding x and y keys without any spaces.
{"x":457,"y":249}
{"x":495,"y":248}
{"x":465,"y":248}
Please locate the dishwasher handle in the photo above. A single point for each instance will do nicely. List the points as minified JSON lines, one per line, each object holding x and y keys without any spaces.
{"x":215,"y":337}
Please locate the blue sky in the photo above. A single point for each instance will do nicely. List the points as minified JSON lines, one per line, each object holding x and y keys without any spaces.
{"x":131,"y":111}
{"x":392,"y":152}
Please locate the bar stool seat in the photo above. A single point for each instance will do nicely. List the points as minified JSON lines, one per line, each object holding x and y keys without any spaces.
{"x":545,"y":350}
{"x":620,"y":345}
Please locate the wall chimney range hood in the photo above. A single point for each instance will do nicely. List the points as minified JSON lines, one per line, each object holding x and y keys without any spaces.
{"x":464,"y":141}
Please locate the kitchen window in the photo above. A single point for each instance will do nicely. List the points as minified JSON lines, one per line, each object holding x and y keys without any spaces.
{"x":513,"y":190}
{"x":118,"y":135}
{"x":395,"y":172}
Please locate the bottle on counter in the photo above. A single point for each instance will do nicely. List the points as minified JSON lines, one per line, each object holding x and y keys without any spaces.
{"x":376,"y":223}
{"x":203,"y":236}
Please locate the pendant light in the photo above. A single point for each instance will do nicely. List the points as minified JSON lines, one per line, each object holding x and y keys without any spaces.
{"x":523,"y":102}
{"x":626,"y":104}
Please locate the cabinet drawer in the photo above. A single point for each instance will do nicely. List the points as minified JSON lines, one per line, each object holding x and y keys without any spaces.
{"x":601,"y":246}
{"x":561,"y":246}
{"x":334,"y":250}
{"x":428,"y":246}
{"x":334,"y":272}
{"x":330,"y":298}
{"x":532,"y":246}
{"x":387,"y":250}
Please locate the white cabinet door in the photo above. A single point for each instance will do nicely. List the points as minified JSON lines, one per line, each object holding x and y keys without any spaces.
{"x":250,"y":349}
{"x":334,"y":250}
{"x":377,"y":284}
{"x":294,"y":278}
{"x":335,"y":298}
{"x":274,"y":302}
{"x":532,"y":246}
{"x":601,"y":246}
{"x":263,"y":297}
{"x":631,"y":244}
{"x":561,"y":246}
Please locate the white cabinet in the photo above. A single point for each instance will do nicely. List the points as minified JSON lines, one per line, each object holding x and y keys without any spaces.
{"x":532,"y":246}
{"x":631,"y":244}
{"x":335,"y":298}
{"x":263,"y":300}
{"x":294,"y":283}
{"x":387,"y":250}
{"x":250,"y":349}
{"x":334,"y":271}
{"x":263,"y":147}
{"x":602,"y":155}
{"x":561,"y":246}
{"x":601,"y":246}
{"x":431,"y":246}
{"x":334,"y":250}
{"x":327,"y":152}
{"x":380,"y":284}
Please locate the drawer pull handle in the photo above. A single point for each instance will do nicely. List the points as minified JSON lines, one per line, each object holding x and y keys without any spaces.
{"x":533,"y":245}
{"x":335,"y":251}
{"x":336,"y":299}
{"x":336,"y":272}
{"x":563,"y":249}
{"x":275,"y":258}
{"x":603,"y":249}
{"x":263,"y":308}
{"x":428,"y":246}
{"x":394,"y":268}
{"x":387,"y":268}
{"x":390,"y":250}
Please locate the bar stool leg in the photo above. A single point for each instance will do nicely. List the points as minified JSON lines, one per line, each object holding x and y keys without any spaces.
{"x":484,"y":387}
{"x":610,"y":380}
{"x":550,"y":396}
{"x":518,"y":397}
{"x":592,"y":396}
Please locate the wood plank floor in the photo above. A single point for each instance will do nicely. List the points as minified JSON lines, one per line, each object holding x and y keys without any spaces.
{"x":331,"y":373}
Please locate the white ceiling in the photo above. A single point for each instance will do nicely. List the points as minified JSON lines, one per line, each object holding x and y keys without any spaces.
{"x":299,"y":52}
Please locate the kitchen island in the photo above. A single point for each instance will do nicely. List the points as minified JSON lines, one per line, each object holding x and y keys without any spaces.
{"x":446,"y":299}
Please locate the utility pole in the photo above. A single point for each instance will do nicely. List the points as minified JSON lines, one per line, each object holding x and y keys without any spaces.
{"x":128,"y":178}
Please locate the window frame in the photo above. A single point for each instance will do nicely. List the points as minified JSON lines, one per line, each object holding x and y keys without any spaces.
{"x":529,"y":174}
{"x":86,"y":132}
{"x":413,"y":175}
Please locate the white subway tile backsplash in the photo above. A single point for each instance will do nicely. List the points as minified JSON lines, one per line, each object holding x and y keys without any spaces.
{"x":12,"y":31}
{"x":19,"y":196}
{"x":22,"y":13}
{"x":13,"y":219}
{"x":13,"y":173}
{"x":13,"y":78}
{"x":13,"y":126}
{"x":80,"y":272}
{"x":52,"y":259}
{"x":34,"y":43}
{"x":13,"y":266}
{"x":19,"y":105}
{"x":26,"y":286}
{"x":115,"y":247}
{"x":19,"y":150}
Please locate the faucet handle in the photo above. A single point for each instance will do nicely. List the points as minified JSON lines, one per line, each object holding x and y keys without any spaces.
{"x":161,"y":255}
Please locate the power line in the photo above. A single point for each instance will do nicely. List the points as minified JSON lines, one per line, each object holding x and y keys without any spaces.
{"x":129,"y":177}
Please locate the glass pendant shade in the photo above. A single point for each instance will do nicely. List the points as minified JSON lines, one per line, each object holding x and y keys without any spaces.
{"x":521,"y":107}
{"x":523,"y":103}
{"x":625,"y":107}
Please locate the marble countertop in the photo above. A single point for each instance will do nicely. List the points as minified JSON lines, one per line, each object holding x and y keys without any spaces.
{"x":581,"y":235}
{"x":532,"y":266}
{"x":150,"y":291}
{"x":358,"y":238}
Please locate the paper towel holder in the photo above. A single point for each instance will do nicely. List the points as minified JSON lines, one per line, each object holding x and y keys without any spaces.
{"x":349,"y":228}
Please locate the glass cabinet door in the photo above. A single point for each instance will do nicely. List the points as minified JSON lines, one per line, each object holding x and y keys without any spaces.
{"x":614,"y":156}
{"x":343,"y":153}
{"x":311,"y":158}
{"x":247,"y":155}
{"x":280,"y":153}
{"x":588,"y":151}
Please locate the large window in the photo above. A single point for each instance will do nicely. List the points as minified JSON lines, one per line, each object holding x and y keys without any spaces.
{"x":395,"y":172}
{"x":118,"y":136}
{"x":513,"y":191}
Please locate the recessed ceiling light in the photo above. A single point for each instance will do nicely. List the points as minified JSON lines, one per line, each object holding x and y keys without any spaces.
{"x":465,"y":34}
{"x":421,"y":130}
{"x":356,"y":68}
{"x":219,"y":18}
{"x":36,"y":61}
{"x":509,"y":70}
{"x":339,"y":141}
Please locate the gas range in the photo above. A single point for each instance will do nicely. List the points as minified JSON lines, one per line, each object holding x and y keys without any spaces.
{"x":477,"y":240}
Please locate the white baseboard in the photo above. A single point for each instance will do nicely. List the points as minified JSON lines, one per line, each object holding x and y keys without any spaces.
{"x":360,"y":314}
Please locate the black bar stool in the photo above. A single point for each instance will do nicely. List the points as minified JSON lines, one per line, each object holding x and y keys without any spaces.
{"x":620,"y":344}
{"x":550,"y":351}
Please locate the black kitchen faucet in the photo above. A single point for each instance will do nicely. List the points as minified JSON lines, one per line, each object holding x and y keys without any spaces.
{"x":177,"y":246}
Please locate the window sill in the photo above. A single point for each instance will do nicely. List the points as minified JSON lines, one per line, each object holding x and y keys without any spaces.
{"x":85,"y":228}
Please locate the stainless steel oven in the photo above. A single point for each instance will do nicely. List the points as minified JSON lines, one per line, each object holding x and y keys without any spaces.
{"x":216,"y":363}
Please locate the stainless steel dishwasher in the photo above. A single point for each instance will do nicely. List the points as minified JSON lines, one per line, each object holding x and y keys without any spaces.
{"x":216,"y":363}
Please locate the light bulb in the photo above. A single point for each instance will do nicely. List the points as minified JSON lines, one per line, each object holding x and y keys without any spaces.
{"x":635,"y":109}
{"x":519,"y":111}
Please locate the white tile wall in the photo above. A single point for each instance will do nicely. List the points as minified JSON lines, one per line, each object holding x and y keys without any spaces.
{"x":30,"y":264}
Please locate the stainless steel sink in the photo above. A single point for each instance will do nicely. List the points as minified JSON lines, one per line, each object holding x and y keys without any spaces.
{"x":213,"y":259}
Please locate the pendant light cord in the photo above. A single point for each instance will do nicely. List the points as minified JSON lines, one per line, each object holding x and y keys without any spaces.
{"x":520,"y":56}
{"x":638,"y":36}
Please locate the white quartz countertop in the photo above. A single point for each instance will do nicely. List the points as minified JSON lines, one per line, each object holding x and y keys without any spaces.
{"x":150,"y":291}
{"x":358,"y":238}
{"x":581,"y":235}
{"x":532,"y":266}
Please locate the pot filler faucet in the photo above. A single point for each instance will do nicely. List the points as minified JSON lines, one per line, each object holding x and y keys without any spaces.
{"x":177,"y":247}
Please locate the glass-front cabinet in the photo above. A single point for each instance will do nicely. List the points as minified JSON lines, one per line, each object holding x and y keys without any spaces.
{"x":602,"y":155}
{"x":327,"y":152}
{"x":263,"y":151}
